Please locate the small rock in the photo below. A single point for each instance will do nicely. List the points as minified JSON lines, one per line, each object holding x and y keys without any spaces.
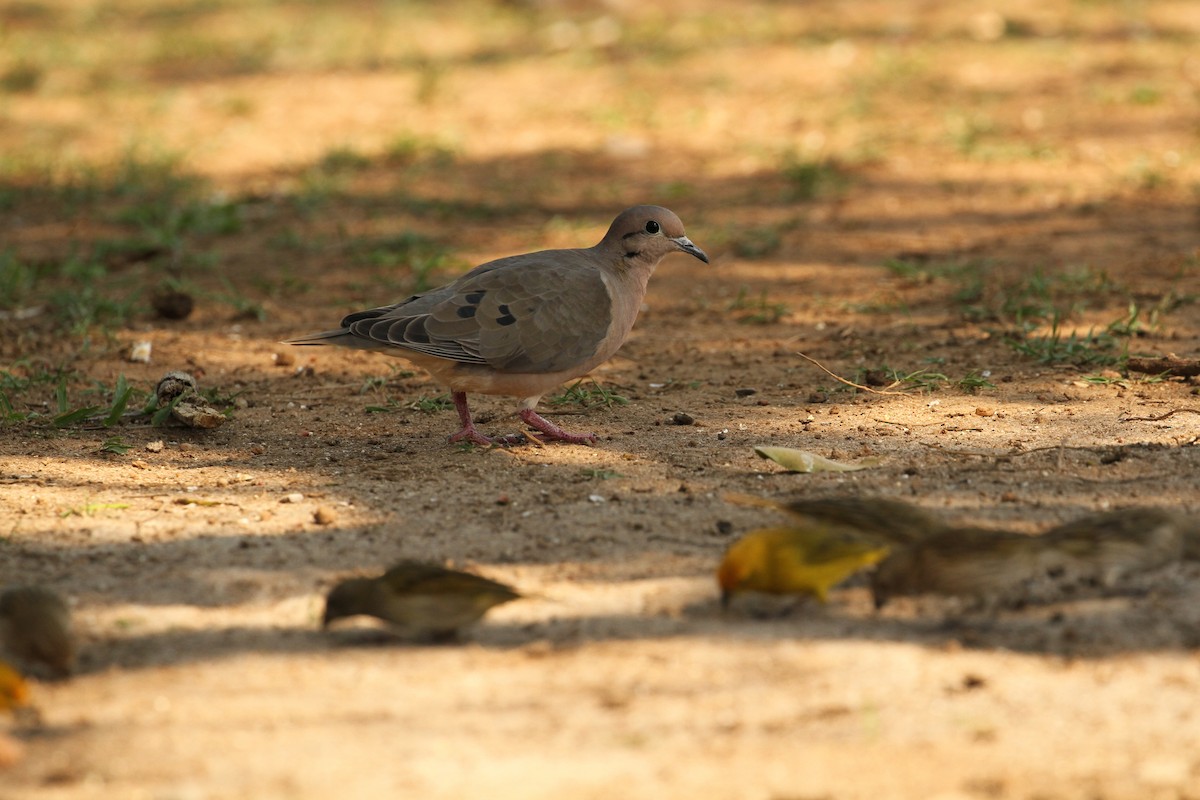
{"x":984,"y":411}
{"x":170,"y":304}
{"x":724,"y":527}
{"x":324,"y":515}
{"x":155,"y":446}
{"x":596,"y":498}
{"x":257,"y":449}
{"x":139,"y":353}
{"x":746,"y":392}
{"x":294,"y":497}
{"x":284,"y":359}
{"x":682,"y":418}
{"x":172,"y":385}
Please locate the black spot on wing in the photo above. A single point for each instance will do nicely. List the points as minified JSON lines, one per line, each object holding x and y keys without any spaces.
{"x":475,"y":298}
{"x":466,"y":312}
{"x":506,"y":316}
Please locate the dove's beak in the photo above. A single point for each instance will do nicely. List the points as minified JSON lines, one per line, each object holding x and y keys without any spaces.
{"x":685,"y":244}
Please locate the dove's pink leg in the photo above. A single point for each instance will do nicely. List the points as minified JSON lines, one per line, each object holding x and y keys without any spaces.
{"x":540,"y":423}
{"x":469,"y":431}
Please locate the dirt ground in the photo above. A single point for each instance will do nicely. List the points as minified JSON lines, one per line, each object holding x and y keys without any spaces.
{"x":997,"y":208}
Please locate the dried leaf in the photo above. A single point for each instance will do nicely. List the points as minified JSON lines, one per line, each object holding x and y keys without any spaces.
{"x":795,"y":460}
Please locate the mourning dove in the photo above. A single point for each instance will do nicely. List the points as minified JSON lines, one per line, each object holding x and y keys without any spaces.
{"x":800,"y":559}
{"x":35,"y":628}
{"x":418,"y":599}
{"x":522,"y":325}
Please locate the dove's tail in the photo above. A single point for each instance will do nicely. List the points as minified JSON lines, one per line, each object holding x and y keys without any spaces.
{"x":341,"y":337}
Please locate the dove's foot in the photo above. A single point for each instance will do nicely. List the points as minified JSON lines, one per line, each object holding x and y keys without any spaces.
{"x":552,"y":431}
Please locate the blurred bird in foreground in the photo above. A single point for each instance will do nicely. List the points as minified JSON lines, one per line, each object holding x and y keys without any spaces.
{"x":418,"y":600}
{"x":1110,"y":546}
{"x":976,"y":562}
{"x":35,"y":628}
{"x":14,"y":692}
{"x":797,"y":559}
{"x":890,"y":521}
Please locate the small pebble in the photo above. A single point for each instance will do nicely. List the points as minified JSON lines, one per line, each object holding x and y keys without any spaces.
{"x":139,"y":353}
{"x":682,"y":418}
{"x":284,"y":359}
{"x":170,"y":304}
{"x":746,"y":392}
{"x":154,"y":447}
{"x":324,"y":515}
{"x":294,"y":497}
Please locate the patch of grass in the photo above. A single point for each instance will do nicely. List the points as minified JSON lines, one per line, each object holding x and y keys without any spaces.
{"x":115,"y":445}
{"x":420,"y":255}
{"x":408,"y":149}
{"x":90,"y":509}
{"x":587,"y":396}
{"x":757,"y":310}
{"x":1089,"y":349}
{"x":757,"y":241}
{"x":343,"y":159}
{"x":16,"y":281}
{"x":243,"y":307}
{"x":431,"y":405}
{"x":975,"y":382}
{"x":809,"y":178}
{"x":600,"y":474}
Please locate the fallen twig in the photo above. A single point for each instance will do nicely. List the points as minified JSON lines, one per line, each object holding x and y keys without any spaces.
{"x":840,"y":379}
{"x":1172,"y":412}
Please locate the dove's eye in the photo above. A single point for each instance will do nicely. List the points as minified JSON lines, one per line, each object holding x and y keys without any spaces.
{"x":652,"y":227}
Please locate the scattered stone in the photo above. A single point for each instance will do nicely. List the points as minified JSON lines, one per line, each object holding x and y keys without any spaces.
{"x":177,"y":390}
{"x":171,"y":304}
{"x":139,"y":353}
{"x":293,"y":497}
{"x":284,"y":359}
{"x":257,"y":449}
{"x":324,"y":515}
{"x":746,"y":392}
{"x":984,"y":411}
{"x":154,"y":447}
{"x":682,"y":418}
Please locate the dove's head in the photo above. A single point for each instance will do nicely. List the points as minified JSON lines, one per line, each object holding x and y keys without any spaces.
{"x":648,"y":233}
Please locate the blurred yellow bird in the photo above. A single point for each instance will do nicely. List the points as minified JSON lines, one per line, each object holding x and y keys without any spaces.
{"x":14,"y":692}
{"x":417,"y":599}
{"x":808,"y":559}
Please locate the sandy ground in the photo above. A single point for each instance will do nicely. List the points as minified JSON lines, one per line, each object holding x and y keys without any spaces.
{"x":198,"y":583}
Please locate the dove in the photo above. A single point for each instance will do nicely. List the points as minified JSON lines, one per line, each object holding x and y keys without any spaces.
{"x":418,"y":599}
{"x":797,"y":559}
{"x":520,"y":326}
{"x":35,"y":628}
